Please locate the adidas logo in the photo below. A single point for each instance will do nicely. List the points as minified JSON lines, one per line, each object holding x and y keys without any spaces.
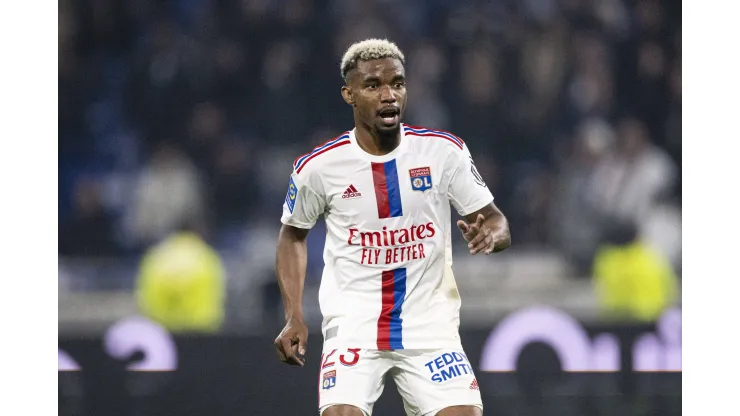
{"x":351,"y":192}
{"x":474,"y":385}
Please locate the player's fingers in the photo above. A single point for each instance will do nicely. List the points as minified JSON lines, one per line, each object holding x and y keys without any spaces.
{"x":279,"y":350}
{"x":468,"y":233}
{"x":484,"y":245}
{"x":299,"y":360}
{"x":477,"y":239}
{"x":473,"y":230}
{"x":290,"y":356}
{"x":480,"y":241}
{"x":490,"y":244}
{"x":477,"y":235}
{"x":302,"y":346}
{"x":296,"y":350}
{"x":462,"y":226}
{"x":479,"y":221}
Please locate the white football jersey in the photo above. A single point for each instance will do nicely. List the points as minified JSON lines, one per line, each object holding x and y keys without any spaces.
{"x":387,"y":282}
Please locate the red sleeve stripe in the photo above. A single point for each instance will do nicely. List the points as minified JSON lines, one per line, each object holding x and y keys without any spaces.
{"x":323,"y":150}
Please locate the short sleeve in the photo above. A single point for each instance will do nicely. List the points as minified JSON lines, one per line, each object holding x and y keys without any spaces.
{"x":303,"y":202}
{"x":467,"y":190}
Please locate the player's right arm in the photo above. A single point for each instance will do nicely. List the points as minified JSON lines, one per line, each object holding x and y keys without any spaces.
{"x":302,"y":207}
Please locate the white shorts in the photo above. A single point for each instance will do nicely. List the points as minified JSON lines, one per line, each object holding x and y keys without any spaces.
{"x":427,"y":380}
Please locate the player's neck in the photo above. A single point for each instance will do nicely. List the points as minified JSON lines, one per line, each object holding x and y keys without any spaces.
{"x":374,"y":142}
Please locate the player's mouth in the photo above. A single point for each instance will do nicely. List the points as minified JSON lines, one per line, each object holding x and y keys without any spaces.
{"x":390,"y":115}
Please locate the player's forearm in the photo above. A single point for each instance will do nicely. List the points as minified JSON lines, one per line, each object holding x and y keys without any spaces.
{"x":496,"y":222}
{"x":499,"y":226}
{"x":290,"y":267}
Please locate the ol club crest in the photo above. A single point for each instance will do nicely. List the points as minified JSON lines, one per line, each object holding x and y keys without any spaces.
{"x":329,"y":380}
{"x":421,"y":179}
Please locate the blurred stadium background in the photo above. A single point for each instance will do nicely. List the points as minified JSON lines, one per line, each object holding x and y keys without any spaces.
{"x":179,"y":121}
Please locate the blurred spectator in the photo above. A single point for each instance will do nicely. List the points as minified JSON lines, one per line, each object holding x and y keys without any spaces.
{"x":673,"y":125}
{"x":529,"y":203}
{"x":650,"y":17}
{"x":72,"y":84}
{"x":90,"y":231}
{"x":231,"y":74}
{"x":632,"y":280}
{"x":168,"y":196}
{"x":181,"y":285}
{"x":479,"y":112}
{"x":630,"y":182}
{"x":425,"y":73}
{"x":205,"y":130}
{"x":282,"y":113}
{"x":544,"y":60}
{"x":233,"y":184}
{"x":614,"y":16}
{"x":661,"y":229}
{"x":591,"y":87}
{"x":575,"y":224}
{"x":651,"y":100}
{"x":163,"y":81}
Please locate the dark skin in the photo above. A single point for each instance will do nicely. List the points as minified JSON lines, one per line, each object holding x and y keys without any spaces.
{"x":376,"y":90}
{"x":290,"y":267}
{"x":373,"y":89}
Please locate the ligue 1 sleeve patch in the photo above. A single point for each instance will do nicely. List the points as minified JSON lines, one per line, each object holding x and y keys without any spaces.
{"x":292,"y":194}
{"x":421,"y":179}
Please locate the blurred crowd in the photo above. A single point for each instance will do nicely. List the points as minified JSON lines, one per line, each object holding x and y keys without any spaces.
{"x":186,"y":115}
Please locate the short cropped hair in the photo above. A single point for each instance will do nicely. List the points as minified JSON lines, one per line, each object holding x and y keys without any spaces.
{"x":366,"y":50}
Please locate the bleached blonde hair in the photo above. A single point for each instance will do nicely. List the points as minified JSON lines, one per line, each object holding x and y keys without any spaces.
{"x":366,"y":50}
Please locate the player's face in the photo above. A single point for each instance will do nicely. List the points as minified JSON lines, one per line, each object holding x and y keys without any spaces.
{"x":377,"y":89}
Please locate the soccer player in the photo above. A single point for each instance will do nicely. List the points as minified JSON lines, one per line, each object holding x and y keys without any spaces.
{"x":388,"y":298}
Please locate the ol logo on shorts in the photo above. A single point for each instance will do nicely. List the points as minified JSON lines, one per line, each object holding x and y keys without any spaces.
{"x":329,"y":380}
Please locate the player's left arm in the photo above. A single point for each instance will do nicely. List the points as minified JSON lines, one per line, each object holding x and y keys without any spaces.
{"x":485,"y":229}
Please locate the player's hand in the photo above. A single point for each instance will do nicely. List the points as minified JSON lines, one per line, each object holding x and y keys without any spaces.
{"x":291,"y":343}
{"x":478,"y":235}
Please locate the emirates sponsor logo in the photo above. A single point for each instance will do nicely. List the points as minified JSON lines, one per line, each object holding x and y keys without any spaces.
{"x":390,"y":238}
{"x":391,"y":246}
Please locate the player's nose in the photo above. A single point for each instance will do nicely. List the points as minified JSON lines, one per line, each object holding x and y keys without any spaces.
{"x":386,"y":95}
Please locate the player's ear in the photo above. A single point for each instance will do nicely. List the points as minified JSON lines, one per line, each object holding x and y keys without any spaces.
{"x":347,"y":95}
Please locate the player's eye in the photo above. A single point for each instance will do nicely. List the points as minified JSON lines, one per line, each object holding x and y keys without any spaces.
{"x":372,"y":86}
{"x":400,"y":85}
